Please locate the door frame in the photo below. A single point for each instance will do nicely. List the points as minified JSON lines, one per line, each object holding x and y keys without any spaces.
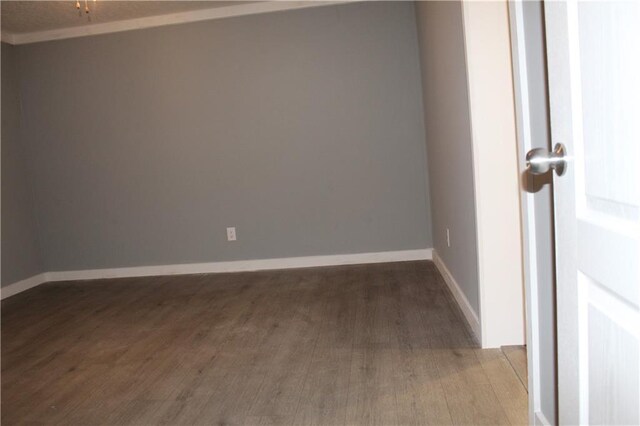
{"x":490,"y":97}
{"x":529,"y":243}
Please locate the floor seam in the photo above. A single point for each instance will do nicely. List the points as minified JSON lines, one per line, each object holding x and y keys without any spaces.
{"x":514,"y":370}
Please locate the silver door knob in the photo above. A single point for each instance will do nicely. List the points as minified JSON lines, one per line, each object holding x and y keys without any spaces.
{"x":540,"y":161}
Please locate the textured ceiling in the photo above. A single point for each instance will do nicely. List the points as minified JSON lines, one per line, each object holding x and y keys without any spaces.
{"x":32,"y":16}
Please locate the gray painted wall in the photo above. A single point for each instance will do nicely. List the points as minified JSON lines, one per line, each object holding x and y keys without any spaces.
{"x":543,"y":205}
{"x":448,"y":135}
{"x":303,"y":129}
{"x":20,"y":251}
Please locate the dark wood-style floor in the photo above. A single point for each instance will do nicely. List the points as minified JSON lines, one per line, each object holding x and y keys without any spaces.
{"x":368,"y":344}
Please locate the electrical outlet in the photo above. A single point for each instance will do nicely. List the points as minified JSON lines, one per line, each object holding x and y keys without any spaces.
{"x":231,"y":234}
{"x":448,"y":239}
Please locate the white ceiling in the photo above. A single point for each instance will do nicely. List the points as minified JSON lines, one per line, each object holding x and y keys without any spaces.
{"x":20,"y":17}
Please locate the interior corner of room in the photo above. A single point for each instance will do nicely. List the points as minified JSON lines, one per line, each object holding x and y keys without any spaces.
{"x":320,"y":212}
{"x":339,"y":134}
{"x":348,"y":146}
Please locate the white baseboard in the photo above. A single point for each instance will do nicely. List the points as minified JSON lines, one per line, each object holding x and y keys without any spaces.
{"x":218,"y":267}
{"x":461,"y":299}
{"x":23,"y":285}
{"x":540,"y":419}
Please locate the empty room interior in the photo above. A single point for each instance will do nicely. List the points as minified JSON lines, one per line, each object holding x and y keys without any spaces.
{"x":262,"y":213}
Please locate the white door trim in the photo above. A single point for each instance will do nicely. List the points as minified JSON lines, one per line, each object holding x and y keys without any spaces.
{"x":519,"y":57}
{"x":540,"y":419}
{"x":495,"y":170}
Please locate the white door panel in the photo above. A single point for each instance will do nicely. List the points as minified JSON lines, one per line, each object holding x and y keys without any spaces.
{"x":593,"y":53}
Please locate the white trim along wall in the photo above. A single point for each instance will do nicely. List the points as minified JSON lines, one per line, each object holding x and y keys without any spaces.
{"x":458,"y":294}
{"x":23,"y":285}
{"x":218,"y":267}
{"x":162,"y":20}
{"x":257,"y":265}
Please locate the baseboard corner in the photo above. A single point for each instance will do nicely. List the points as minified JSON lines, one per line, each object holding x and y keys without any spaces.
{"x":458,"y":295}
{"x":23,"y":285}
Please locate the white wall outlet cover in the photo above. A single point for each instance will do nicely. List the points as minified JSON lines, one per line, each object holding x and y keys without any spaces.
{"x":231,"y":234}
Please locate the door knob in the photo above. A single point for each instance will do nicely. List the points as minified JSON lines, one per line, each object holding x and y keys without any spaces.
{"x":540,"y":161}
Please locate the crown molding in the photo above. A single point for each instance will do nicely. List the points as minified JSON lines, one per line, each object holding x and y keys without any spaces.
{"x":162,"y":20}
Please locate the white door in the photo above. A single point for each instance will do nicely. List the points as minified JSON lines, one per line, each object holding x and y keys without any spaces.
{"x":593,"y":51}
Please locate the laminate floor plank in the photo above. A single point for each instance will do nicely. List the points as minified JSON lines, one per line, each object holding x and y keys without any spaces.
{"x":372,"y":387}
{"x":517,"y":356}
{"x":347,"y":345}
{"x":324,"y":397}
{"x":470,"y":396}
{"x":507,"y":387}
